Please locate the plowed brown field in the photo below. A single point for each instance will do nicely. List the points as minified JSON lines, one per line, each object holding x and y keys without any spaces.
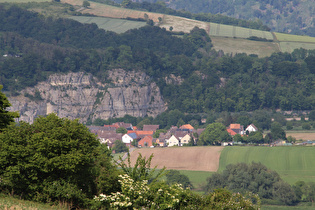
{"x":182,"y":158}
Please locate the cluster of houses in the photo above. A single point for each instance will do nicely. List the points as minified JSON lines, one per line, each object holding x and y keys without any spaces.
{"x":175,"y":136}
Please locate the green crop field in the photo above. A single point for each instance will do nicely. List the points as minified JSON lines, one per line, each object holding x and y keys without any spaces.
{"x":110,"y":24}
{"x":231,"y":45}
{"x":237,"y":32}
{"x":294,"y":38}
{"x":292,"y":163}
{"x":197,"y":178}
{"x":290,"y":46}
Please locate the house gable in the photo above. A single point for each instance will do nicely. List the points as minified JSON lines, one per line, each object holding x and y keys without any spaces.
{"x":146,"y":142}
{"x":173,"y":141}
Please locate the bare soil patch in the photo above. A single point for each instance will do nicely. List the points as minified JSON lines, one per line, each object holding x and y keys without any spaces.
{"x":182,"y":158}
{"x":303,"y":136}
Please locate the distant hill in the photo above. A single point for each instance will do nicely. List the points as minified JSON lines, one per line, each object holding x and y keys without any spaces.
{"x":230,"y":39}
{"x":290,"y":16}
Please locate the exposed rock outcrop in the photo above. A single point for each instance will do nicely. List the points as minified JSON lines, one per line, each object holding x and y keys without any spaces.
{"x":82,"y":96}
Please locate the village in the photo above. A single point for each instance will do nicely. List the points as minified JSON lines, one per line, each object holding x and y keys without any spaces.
{"x":151,"y":136}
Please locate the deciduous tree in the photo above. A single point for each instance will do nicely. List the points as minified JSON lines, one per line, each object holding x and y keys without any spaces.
{"x":6,"y":117}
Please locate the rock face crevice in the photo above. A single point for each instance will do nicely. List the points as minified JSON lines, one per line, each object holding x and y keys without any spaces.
{"x":82,"y":96}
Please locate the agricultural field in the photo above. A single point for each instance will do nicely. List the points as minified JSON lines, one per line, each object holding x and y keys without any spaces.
{"x":182,"y":24}
{"x":182,"y":158}
{"x":237,"y":32}
{"x":292,"y":163}
{"x":290,"y":46}
{"x":284,"y":42}
{"x":197,"y":178}
{"x":103,"y":10}
{"x":232,"y":46}
{"x":281,"y":37}
{"x":110,"y":24}
{"x":304,"y":135}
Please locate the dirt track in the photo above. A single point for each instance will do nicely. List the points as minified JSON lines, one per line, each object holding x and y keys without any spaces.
{"x":182,"y":158}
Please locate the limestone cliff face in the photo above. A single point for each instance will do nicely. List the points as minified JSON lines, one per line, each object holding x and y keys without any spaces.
{"x":82,"y":96}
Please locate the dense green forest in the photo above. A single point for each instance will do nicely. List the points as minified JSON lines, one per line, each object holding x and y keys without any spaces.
{"x":291,"y":16}
{"x":33,"y":47}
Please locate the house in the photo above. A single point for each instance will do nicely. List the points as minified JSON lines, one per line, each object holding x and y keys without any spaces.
{"x":172,"y":130}
{"x":186,"y":127}
{"x":161,"y":142}
{"x":227,"y":144}
{"x":150,"y":127}
{"x":128,"y":138}
{"x":173,"y":141}
{"x":251,"y":128}
{"x":147,"y":141}
{"x":108,"y":137}
{"x":231,"y":132}
{"x":142,"y":134}
{"x":128,"y":126}
{"x":185,"y":139}
{"x":237,"y":128}
{"x":180,"y":135}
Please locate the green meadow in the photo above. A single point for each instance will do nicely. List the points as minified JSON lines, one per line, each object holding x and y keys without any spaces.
{"x":110,"y":24}
{"x":197,"y":178}
{"x":294,"y":38}
{"x":292,"y":163}
{"x":290,"y":46}
{"x":237,"y":32}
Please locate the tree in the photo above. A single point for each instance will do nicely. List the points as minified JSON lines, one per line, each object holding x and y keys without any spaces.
{"x":86,"y":4}
{"x":311,"y":115}
{"x":306,"y":126}
{"x":6,"y":117}
{"x":214,"y":133}
{"x":141,"y":170}
{"x":174,"y":176}
{"x":254,"y":177}
{"x":277,"y":131}
{"x":51,"y":160}
{"x":120,"y":147}
{"x":121,"y":130}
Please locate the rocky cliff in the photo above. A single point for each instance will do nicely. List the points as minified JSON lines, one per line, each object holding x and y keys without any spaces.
{"x":82,"y":96}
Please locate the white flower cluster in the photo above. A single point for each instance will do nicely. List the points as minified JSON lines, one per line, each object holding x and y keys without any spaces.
{"x":139,"y":195}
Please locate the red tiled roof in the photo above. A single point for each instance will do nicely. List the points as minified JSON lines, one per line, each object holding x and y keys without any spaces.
{"x":149,"y":133}
{"x":187,"y":126}
{"x":235,"y":126}
{"x":231,"y":132}
{"x":146,"y":139}
{"x":150,"y":127}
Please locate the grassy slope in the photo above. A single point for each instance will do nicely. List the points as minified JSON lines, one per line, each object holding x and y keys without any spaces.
{"x":8,"y":202}
{"x":292,"y":163}
{"x":110,"y":24}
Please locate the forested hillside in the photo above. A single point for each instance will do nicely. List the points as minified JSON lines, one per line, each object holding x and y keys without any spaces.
{"x":193,"y":78}
{"x":291,"y":16}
